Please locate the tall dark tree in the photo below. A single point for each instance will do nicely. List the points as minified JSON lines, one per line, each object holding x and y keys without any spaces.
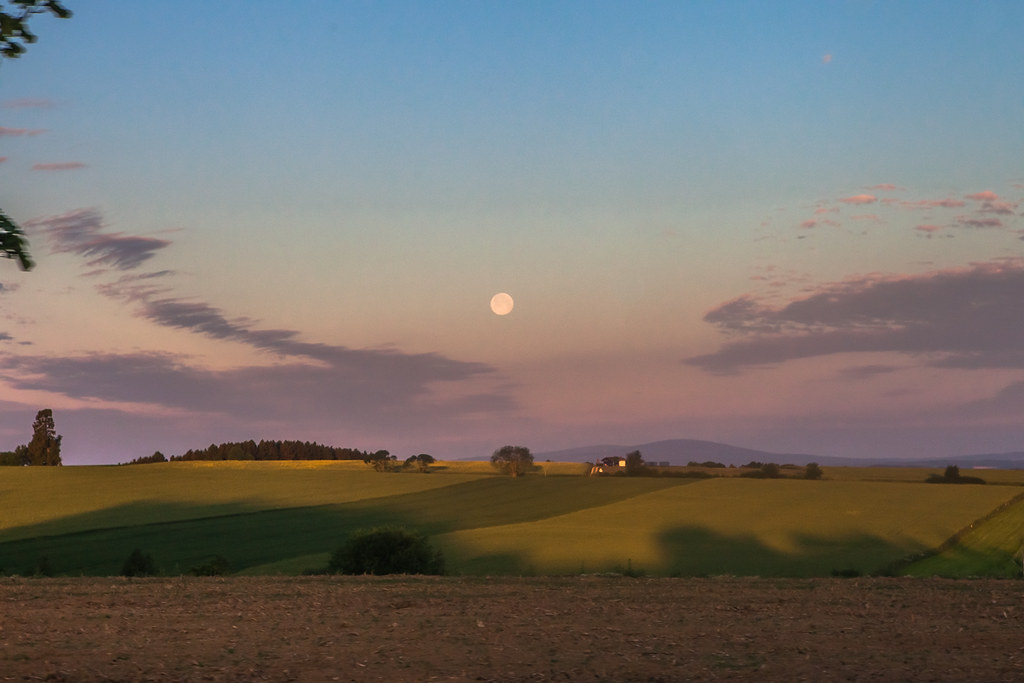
{"x":513,"y":460}
{"x":14,"y":35}
{"x":44,"y":448}
{"x":634,"y":463}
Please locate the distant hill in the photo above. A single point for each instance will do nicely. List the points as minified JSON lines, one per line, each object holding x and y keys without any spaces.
{"x":682,"y":451}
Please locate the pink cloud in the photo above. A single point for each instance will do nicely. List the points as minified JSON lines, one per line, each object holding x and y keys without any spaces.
{"x":927,"y":203}
{"x":821,"y":210}
{"x":59,"y":166}
{"x":928,"y":230}
{"x":3,"y":159}
{"x":860,"y":199}
{"x":1004,"y":208}
{"x":6,"y":132}
{"x":886,"y":187}
{"x":808,"y":224}
{"x":985,"y":196}
{"x":866,"y":217}
{"x":967,"y":317}
{"x":979,"y":222}
{"x":28,"y":103}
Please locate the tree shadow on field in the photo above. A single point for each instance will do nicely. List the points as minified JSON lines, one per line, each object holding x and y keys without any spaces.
{"x":698,"y":551}
{"x":181,"y":535}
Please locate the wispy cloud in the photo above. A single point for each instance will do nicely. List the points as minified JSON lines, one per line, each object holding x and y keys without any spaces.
{"x":81,"y":232}
{"x":305,"y":382}
{"x":970,"y":317}
{"x":860,"y":199}
{"x":979,"y":222}
{"x":351,"y":394}
{"x":29,"y":103}
{"x":886,"y":187}
{"x":946,"y":203}
{"x":6,"y":132}
{"x":59,"y":166}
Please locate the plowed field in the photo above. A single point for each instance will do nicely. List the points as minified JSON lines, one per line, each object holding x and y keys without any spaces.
{"x":508,"y":629}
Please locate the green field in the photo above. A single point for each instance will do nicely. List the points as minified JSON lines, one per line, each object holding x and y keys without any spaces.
{"x":284,"y":517}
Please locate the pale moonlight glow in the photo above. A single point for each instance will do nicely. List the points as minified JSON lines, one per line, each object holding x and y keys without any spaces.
{"x":501,"y":303}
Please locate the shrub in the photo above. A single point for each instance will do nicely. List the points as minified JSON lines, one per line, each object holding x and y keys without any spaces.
{"x":952,"y":476}
{"x":768,"y":470}
{"x":812,"y":471}
{"x":139,"y":564}
{"x":216,"y":566}
{"x":386,"y":550}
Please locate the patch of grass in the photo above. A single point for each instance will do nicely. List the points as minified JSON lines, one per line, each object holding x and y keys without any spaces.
{"x":989,"y":547}
{"x":740,"y":526}
{"x":61,"y":500}
{"x":285,"y":517}
{"x":254,"y":536}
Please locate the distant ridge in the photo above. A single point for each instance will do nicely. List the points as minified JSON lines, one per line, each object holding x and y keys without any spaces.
{"x":682,"y":451}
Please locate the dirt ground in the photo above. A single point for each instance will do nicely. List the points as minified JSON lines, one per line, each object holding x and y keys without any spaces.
{"x":507,"y":629}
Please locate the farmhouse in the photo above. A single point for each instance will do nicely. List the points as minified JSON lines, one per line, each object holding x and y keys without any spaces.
{"x":609,"y":465}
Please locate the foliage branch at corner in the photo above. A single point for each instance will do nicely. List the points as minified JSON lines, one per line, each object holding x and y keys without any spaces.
{"x":513,"y":460}
{"x":13,"y":244}
{"x":14,"y":35}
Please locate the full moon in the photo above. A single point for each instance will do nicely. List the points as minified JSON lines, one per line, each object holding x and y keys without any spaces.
{"x":502,"y":304}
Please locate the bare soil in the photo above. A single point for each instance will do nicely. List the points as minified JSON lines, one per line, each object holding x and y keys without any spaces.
{"x":510,"y":629}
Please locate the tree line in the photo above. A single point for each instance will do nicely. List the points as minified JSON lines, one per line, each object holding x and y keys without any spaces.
{"x":263,"y":450}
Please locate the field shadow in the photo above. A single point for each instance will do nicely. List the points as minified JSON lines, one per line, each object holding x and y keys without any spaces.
{"x":249,"y":534}
{"x":698,"y":551}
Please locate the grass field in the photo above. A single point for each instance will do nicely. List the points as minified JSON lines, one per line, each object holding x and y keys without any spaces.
{"x":284,"y":517}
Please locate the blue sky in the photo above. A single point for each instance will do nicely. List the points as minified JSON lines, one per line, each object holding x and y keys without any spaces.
{"x":790,"y":226}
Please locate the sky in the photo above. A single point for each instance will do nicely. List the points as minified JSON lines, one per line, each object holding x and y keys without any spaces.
{"x":789,"y":226}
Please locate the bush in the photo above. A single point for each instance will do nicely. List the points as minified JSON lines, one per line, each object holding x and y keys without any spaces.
{"x":812,"y":471}
{"x":386,"y":550}
{"x":216,"y":566}
{"x":952,"y":476}
{"x":139,"y":564}
{"x":768,"y":470}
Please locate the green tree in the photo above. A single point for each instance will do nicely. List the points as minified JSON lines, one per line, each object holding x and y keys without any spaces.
{"x":386,"y":550}
{"x":634,"y":464}
{"x":44,"y":448}
{"x":512,"y":460}
{"x":812,"y":471}
{"x":381,"y":461}
{"x":422,"y":462}
{"x":14,"y":35}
